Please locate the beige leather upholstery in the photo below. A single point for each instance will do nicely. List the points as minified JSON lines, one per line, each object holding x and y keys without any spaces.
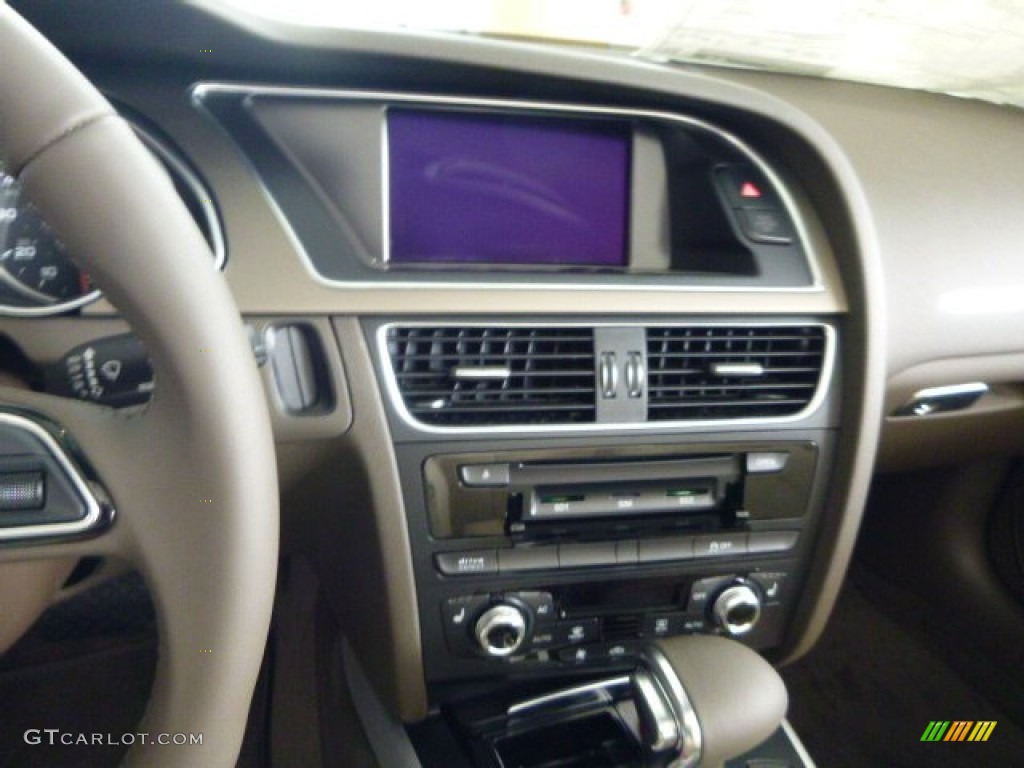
{"x":193,"y":476}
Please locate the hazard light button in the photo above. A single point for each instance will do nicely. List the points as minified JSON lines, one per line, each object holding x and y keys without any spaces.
{"x":745,"y":187}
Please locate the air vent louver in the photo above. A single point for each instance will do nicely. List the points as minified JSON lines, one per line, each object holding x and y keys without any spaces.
{"x":465,"y":376}
{"x":724,"y":372}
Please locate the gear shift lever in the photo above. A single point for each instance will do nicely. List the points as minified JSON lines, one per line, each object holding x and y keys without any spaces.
{"x":702,"y":700}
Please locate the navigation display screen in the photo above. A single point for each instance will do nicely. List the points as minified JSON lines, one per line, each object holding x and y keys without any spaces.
{"x":471,"y":188}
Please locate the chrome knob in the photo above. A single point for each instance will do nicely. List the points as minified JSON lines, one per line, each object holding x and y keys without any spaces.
{"x":737,"y":609}
{"x":501,"y":630}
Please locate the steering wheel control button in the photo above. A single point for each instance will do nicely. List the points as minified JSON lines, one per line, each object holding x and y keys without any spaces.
{"x":721,"y":545}
{"x":665,"y":549}
{"x":578,"y":631}
{"x":472,"y":563}
{"x":501,"y":630}
{"x":772,"y":584}
{"x":766,"y":463}
{"x":21,"y":491}
{"x":112,"y":371}
{"x":764,"y":542}
{"x":42,"y":492}
{"x":518,"y":559}
{"x":586,"y":555}
{"x":484,"y":475}
{"x":703,"y":590}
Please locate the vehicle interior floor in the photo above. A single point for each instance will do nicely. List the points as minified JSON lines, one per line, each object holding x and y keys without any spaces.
{"x":309,"y":718}
{"x":85,"y":668}
{"x":865,"y":695}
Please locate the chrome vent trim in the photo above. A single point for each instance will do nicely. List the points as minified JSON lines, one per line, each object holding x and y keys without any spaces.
{"x":448,"y":375}
{"x":732,"y":372}
{"x":384,"y":332}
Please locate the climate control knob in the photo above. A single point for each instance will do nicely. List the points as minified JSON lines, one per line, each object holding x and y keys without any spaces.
{"x":501,"y":630}
{"x":737,"y":608}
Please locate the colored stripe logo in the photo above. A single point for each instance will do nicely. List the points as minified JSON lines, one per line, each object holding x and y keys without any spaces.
{"x":958,"y":730}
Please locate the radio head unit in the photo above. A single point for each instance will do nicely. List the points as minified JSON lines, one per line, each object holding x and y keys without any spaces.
{"x":664,"y":489}
{"x":553,"y":559}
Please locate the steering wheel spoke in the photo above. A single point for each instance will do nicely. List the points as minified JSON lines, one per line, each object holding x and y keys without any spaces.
{"x":49,"y":502}
{"x":191,"y":477}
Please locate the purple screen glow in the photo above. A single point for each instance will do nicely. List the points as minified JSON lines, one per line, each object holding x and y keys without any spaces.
{"x":493,"y":189}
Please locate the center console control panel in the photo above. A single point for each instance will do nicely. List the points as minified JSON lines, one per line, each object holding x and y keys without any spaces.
{"x":559,"y":558}
{"x":549,"y":625}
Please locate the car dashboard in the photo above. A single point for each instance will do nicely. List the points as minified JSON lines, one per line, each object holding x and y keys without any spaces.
{"x":566,"y":350}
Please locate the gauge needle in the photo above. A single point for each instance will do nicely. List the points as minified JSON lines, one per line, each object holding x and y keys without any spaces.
{"x":20,"y":288}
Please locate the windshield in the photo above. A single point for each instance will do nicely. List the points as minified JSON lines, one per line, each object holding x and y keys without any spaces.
{"x":971,"y":48}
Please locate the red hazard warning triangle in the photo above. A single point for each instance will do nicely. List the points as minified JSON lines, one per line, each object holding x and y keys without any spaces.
{"x":749,"y":189}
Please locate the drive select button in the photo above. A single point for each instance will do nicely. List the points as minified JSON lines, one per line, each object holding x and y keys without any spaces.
{"x":477,"y":561}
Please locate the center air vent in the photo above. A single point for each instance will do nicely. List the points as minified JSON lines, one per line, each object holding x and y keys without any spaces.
{"x":465,"y":376}
{"x":732,"y":372}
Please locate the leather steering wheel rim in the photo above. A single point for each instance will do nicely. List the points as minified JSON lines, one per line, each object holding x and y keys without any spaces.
{"x":192,"y":476}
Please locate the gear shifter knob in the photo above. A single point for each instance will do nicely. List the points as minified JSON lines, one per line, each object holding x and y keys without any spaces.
{"x":703,"y":700}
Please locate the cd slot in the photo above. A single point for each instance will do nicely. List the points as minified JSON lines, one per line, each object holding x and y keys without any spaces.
{"x":720,"y":468}
{"x":561,"y":502}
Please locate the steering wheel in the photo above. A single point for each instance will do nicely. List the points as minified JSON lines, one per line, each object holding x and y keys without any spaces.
{"x":191,"y":478}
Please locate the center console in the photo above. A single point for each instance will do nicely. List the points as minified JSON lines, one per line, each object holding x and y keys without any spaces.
{"x":544,"y":559}
{"x":623,"y":430}
{"x":552,"y":558}
{"x":561,"y":545}
{"x":677,"y":496}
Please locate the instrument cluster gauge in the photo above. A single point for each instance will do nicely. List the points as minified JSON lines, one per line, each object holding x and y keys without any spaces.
{"x":35,"y":270}
{"x":37,"y":274}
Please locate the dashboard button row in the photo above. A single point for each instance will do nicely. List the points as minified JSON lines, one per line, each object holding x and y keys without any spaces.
{"x":484,"y":475}
{"x":611,"y":652}
{"x":565,"y":633}
{"x":471,"y":563}
{"x":541,"y":605}
{"x":601,"y":554}
{"x":703,"y":590}
{"x":771,"y":541}
{"x":663,"y":624}
{"x":772,"y":584}
{"x":520,"y":559}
